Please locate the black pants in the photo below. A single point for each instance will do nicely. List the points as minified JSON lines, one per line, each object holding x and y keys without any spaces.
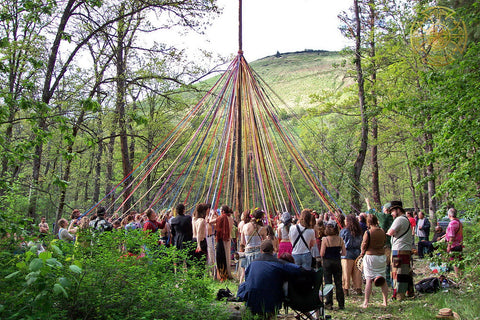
{"x":333,"y":269}
{"x":425,"y":247}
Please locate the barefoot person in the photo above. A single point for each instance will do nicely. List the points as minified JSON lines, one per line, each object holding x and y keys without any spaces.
{"x":374,"y":259}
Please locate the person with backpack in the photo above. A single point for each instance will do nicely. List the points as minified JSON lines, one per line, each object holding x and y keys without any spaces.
{"x":402,"y":240}
{"x":100,"y":224}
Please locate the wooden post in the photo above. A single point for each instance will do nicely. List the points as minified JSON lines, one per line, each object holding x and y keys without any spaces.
{"x":238,"y":205}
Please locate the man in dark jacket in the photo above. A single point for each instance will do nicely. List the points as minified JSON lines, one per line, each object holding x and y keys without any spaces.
{"x":181,"y":227}
{"x":264,"y":279}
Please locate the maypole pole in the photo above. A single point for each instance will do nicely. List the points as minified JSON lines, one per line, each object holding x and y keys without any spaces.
{"x":238,"y":127}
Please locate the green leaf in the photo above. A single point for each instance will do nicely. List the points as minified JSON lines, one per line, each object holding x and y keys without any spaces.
{"x":78,"y":263}
{"x":32,"y":277}
{"x":75,"y":269}
{"x":36,"y":264}
{"x":64,"y":282}
{"x":45,"y":255}
{"x":21,"y":265}
{"x":4,"y":42}
{"x":11,"y":275}
{"x":52,"y":262}
{"x":58,"y":289}
{"x":90,"y":105}
{"x":57,"y":250}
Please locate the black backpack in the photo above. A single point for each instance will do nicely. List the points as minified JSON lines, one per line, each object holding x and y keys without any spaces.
{"x":428,"y":285}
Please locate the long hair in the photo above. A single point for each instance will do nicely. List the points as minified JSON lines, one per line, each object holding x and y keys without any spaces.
{"x":258,"y":215}
{"x":180,"y":209}
{"x":246,"y":216}
{"x":372,"y":220}
{"x":200,"y":211}
{"x":351,"y":223}
{"x":331,"y":229}
{"x":149,"y":212}
{"x":223,"y":226}
{"x":306,"y":218}
{"x":226,"y":209}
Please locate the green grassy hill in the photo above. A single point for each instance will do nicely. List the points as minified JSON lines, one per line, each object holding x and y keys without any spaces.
{"x":298,"y":75}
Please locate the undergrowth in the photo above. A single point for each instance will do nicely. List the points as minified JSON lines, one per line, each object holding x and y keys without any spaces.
{"x":97,"y":279}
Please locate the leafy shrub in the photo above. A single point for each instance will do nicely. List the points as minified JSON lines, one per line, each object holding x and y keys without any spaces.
{"x":98,"y":279}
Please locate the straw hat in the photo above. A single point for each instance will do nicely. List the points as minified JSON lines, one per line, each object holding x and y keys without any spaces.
{"x":359,"y":263}
{"x":447,"y":313}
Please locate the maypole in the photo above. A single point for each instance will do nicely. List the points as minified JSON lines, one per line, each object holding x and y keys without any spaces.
{"x":238,"y":124}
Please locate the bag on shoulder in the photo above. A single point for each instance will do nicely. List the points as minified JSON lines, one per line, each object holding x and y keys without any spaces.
{"x":428,"y":285}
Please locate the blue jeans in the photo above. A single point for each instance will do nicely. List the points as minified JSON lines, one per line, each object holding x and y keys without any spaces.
{"x":304,"y":260}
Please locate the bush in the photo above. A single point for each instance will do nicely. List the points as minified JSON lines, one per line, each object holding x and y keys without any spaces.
{"x":98,"y":279}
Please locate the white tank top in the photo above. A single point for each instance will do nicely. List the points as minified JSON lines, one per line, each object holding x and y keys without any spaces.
{"x":284,"y":233}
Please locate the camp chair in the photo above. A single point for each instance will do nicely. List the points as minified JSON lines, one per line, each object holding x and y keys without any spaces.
{"x":305,"y":296}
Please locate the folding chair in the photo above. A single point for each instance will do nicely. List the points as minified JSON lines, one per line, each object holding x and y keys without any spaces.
{"x":304,"y":296}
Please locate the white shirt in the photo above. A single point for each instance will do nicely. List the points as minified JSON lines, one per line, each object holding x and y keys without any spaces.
{"x":403,"y":237}
{"x":308,"y":235}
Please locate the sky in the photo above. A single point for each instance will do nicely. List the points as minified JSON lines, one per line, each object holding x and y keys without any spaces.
{"x":272,"y":25}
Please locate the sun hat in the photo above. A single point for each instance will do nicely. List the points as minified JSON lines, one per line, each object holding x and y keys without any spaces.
{"x":286,"y":217}
{"x":447,"y":313}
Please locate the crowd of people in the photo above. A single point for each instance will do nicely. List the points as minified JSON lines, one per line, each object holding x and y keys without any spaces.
{"x":288,"y":244}
{"x":383,"y":240}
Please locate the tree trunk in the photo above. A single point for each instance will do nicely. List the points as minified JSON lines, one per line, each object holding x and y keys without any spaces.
{"x":121,"y":62}
{"x":46,"y":96}
{"x":68,"y":165}
{"x":109,"y":171}
{"x":432,"y":203}
{"x":362,"y":151}
{"x":374,"y":147}
{"x":412,"y":184}
{"x":98,"y":172}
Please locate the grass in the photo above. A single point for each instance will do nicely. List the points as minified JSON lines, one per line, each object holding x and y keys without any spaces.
{"x":463,"y":300}
{"x":297,"y":76}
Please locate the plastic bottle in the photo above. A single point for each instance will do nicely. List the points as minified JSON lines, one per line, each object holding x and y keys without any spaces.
{"x":445,"y":283}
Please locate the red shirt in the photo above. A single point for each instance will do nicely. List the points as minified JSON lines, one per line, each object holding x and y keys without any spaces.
{"x":413,"y":223}
{"x":153,"y":226}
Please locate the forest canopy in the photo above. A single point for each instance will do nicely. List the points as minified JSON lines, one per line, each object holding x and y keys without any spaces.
{"x":83,"y":101}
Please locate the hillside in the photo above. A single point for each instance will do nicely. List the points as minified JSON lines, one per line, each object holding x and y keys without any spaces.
{"x":296,"y":76}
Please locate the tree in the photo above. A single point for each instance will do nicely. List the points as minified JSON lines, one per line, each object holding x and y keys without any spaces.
{"x":22,"y":61}
{"x":72,"y":14}
{"x":354,"y":30}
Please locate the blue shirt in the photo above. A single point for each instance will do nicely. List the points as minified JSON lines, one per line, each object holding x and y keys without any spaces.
{"x":352,"y":244}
